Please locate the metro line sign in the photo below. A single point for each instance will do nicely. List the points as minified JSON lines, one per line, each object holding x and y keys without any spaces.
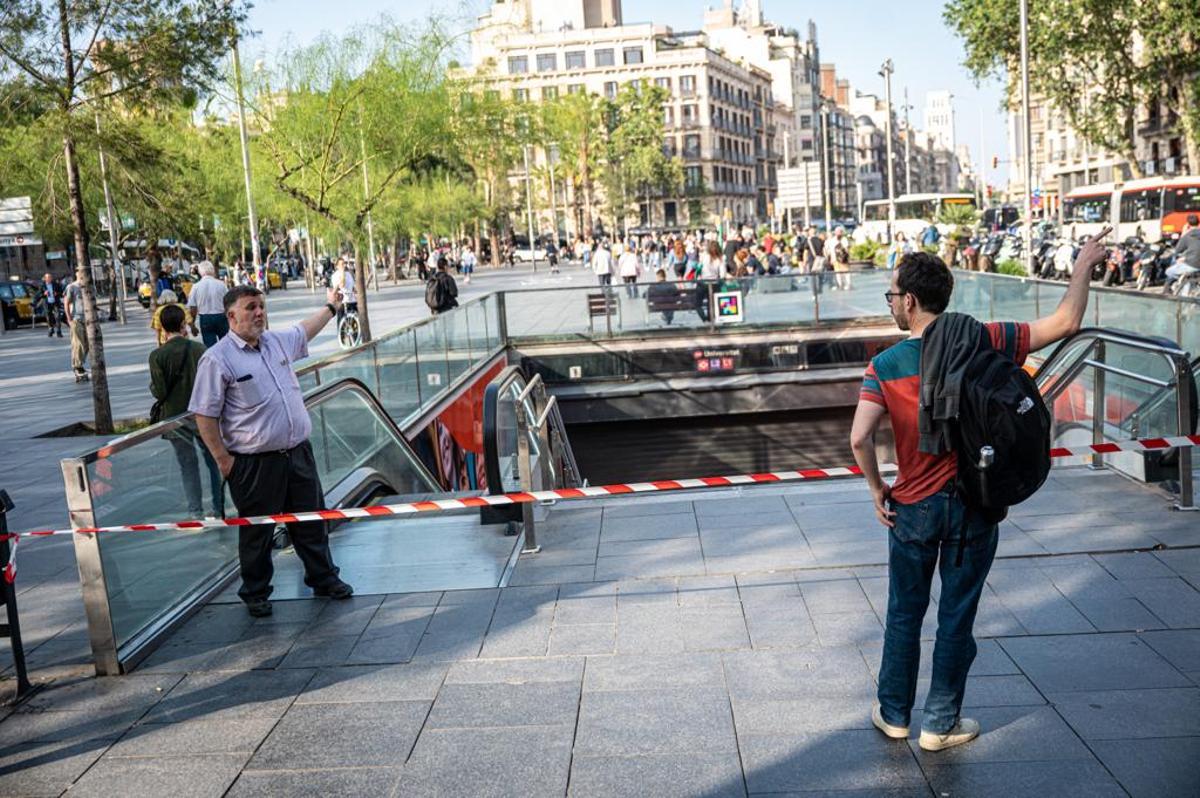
{"x":20,"y":241}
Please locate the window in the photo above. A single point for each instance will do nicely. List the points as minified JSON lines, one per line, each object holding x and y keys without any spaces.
{"x":669,"y":148}
{"x":663,"y":83}
{"x":1140,"y":206}
{"x":575,"y":88}
{"x":668,"y":116}
{"x":576,"y":59}
{"x":521,"y":95}
{"x":689,"y":114}
{"x":691,"y":146}
{"x":633,"y":55}
{"x":550,"y":93}
{"x":604,"y":57}
{"x":610,"y":89}
{"x":687,"y":85}
{"x":547,"y":62}
{"x":518,"y":64}
{"x":670,"y":214}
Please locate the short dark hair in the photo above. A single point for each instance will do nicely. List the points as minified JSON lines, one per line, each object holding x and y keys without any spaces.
{"x":442,"y":263}
{"x":927,"y":278}
{"x":1193,"y":220}
{"x":171,"y":318}
{"x":237,"y":292}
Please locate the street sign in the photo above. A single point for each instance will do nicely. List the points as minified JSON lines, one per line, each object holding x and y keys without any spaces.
{"x":800,"y":187}
{"x":20,"y":241}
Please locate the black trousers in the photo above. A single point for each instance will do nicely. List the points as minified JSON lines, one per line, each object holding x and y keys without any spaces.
{"x":275,"y":482}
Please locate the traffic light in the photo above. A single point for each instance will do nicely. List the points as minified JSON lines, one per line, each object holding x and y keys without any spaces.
{"x":995,"y":161}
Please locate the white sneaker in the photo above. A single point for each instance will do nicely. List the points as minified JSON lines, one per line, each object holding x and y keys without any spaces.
{"x":895,"y":732}
{"x":964,"y":731}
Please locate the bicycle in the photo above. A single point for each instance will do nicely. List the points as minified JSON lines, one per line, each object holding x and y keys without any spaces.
{"x":349,"y":330}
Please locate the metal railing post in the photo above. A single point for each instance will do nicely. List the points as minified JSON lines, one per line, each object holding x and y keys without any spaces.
{"x":501,"y":318}
{"x":525,"y":472}
{"x":812,"y":286}
{"x":1098,"y":404}
{"x":1183,"y":409}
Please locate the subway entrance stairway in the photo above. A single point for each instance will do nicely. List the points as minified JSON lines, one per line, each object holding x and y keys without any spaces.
{"x":698,"y":643}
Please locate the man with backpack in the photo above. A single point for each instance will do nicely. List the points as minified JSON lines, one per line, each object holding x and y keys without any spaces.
{"x":972,"y":438}
{"x":441,"y":292}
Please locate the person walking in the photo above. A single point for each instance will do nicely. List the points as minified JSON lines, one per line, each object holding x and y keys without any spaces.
{"x":346,"y":284}
{"x":468,"y":263}
{"x":441,"y":292}
{"x":629,"y":268}
{"x":172,"y":375}
{"x":206,"y":303}
{"x":602,"y":264}
{"x":52,"y":296}
{"x":925,"y":514}
{"x":838,"y":253}
{"x":73,"y":305}
{"x":250,"y":412}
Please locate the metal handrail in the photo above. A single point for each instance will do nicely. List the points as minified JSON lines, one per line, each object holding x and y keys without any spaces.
{"x":1092,"y":355}
{"x":111,"y":657}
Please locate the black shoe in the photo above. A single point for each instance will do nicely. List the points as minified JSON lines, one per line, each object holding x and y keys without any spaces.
{"x":60,"y":333}
{"x":336,"y":589}
{"x":260,"y":608}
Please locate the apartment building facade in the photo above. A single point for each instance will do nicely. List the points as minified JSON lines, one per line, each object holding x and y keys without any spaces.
{"x":722,"y":119}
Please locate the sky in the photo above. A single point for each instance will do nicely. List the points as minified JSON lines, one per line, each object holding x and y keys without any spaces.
{"x":856,"y":35}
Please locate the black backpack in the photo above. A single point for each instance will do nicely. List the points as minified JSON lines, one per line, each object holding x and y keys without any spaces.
{"x":435,"y":293}
{"x":1001,"y":408}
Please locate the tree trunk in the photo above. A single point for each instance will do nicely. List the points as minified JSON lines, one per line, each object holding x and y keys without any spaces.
{"x":494,"y":241}
{"x":586,"y":181}
{"x":360,"y":288}
{"x":101,"y":406}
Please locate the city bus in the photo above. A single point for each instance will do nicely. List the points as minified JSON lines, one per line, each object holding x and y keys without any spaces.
{"x":914,"y":212}
{"x":1150,"y":207}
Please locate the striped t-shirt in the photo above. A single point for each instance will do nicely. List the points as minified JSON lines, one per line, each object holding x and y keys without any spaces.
{"x":893,"y":379}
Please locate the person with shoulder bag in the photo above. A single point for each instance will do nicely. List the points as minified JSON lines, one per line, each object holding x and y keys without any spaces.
{"x":172,"y":376}
{"x":972,"y":437}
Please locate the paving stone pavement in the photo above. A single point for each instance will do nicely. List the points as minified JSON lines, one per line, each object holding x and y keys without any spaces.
{"x":675,"y":678}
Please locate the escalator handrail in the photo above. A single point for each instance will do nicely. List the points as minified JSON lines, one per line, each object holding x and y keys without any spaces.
{"x":491,"y":400}
{"x":1175,"y":357}
{"x":313,"y":398}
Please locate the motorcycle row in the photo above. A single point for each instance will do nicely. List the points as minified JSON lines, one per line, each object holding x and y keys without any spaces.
{"x":1133,"y":262}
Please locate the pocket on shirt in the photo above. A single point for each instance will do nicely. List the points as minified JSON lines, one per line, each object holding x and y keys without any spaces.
{"x":245,"y":393}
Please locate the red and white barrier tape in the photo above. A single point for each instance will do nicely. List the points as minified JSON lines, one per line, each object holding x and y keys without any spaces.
{"x":438,"y":505}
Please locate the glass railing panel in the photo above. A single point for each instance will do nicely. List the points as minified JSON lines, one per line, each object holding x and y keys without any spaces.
{"x":307,"y":380}
{"x":1188,"y":325}
{"x":552,"y":313}
{"x":863,"y":300}
{"x":477,"y":327}
{"x":400,"y":389}
{"x":491,"y":305}
{"x":780,"y":299}
{"x":972,"y":295}
{"x":1135,"y":313}
{"x":358,"y":365}
{"x":431,"y":358}
{"x":1013,"y":300}
{"x":168,"y":478}
{"x":456,"y":330}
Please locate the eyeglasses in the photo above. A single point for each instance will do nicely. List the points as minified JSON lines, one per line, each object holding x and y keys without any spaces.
{"x":887,"y":295}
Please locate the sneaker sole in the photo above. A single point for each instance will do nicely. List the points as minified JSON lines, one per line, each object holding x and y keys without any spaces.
{"x":939,"y":745}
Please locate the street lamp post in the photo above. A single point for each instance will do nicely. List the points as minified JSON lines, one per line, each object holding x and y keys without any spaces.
{"x":827,"y":168}
{"x":1027,"y":136}
{"x":907,"y":146}
{"x":256,"y":259}
{"x":886,"y":73}
{"x":529,"y":205}
{"x":110,"y":212}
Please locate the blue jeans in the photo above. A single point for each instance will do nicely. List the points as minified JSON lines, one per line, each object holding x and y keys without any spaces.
{"x":925,"y":532}
{"x":213,"y":327}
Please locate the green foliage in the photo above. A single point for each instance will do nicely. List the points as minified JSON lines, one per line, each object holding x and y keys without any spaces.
{"x":1098,"y":62}
{"x":958,"y":215}
{"x":1011,"y":267}
{"x":634,"y":162}
{"x":865,"y":251}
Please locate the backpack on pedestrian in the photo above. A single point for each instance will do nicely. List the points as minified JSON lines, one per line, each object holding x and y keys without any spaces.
{"x":435,"y":293}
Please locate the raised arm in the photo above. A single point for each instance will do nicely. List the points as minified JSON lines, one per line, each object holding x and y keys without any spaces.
{"x":317,"y":321}
{"x":1067,"y":317}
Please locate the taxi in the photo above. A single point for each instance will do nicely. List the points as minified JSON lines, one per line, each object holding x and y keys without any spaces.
{"x":16,"y":304}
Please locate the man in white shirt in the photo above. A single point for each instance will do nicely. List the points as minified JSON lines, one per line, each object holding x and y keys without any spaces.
{"x":602,"y":264}
{"x":629,"y":268}
{"x":207,"y":303}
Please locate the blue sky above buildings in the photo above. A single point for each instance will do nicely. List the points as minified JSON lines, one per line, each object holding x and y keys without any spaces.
{"x":857,"y":35}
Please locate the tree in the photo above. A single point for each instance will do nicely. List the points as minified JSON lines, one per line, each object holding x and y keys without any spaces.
{"x":371,"y":100}
{"x":576,"y":123}
{"x":1099,"y":62}
{"x":78,"y":54}
{"x":634,"y":161}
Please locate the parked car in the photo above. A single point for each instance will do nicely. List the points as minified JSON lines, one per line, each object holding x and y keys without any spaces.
{"x":16,"y":304}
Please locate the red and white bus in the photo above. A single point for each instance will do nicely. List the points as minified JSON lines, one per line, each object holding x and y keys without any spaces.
{"x":1151,"y":207}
